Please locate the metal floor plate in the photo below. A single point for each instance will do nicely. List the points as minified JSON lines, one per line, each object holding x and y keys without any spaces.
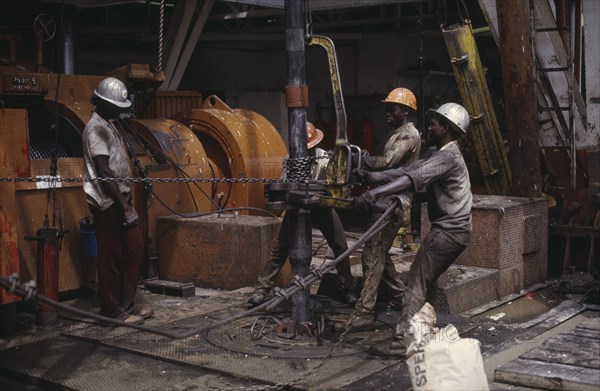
{"x":71,"y":364}
{"x":336,"y":372}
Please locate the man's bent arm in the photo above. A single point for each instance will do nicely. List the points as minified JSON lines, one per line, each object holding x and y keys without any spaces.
{"x":397,"y":186}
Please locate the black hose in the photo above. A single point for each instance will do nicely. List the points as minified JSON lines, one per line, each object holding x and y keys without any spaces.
{"x":10,"y":285}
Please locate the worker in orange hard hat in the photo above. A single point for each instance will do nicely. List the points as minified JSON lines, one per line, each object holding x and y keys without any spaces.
{"x":401,"y":148}
{"x":403,"y":141}
{"x":323,"y":218}
{"x":313,"y":135}
{"x":446,"y":178}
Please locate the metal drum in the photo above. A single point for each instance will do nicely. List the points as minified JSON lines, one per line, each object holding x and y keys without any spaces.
{"x":239,"y":144}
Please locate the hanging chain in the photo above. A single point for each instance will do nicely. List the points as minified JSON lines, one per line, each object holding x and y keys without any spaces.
{"x":161,"y":28}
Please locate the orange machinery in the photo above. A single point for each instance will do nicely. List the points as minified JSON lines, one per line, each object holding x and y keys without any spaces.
{"x":209,"y":141}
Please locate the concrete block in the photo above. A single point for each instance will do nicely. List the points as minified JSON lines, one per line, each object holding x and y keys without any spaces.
{"x":461,"y":288}
{"x":219,"y":252}
{"x":510,"y":234}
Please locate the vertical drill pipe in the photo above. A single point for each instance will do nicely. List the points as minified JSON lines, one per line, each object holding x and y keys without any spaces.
{"x":299,"y":224}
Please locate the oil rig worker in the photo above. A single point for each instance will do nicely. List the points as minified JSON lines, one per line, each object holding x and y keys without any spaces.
{"x":323,"y":218}
{"x":449,"y":205}
{"x":120,"y":245}
{"x":401,"y":148}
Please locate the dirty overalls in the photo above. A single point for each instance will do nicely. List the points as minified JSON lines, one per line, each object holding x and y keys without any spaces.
{"x":401,"y":149}
{"x":325,"y":220}
{"x":328,"y":222}
{"x":449,"y":207}
{"x":120,"y":249}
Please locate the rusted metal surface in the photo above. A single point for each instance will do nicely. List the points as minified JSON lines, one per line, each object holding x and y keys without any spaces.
{"x":165,"y":104}
{"x":484,"y":130}
{"x":519,"y":98}
{"x":9,"y":241}
{"x":14,"y":148}
{"x":170,"y":288}
{"x":224,"y":252}
{"x":71,"y":206}
{"x":239,"y":144}
{"x":171,"y":150}
{"x":14,"y":162}
{"x":48,"y":249}
{"x":243,"y":144}
{"x":138,"y":77}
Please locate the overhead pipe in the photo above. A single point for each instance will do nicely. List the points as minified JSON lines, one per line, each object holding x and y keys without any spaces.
{"x":68,"y":50}
{"x":296,"y":93}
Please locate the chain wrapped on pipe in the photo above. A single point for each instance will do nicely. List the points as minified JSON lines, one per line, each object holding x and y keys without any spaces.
{"x":27,"y":290}
{"x":298,"y":169}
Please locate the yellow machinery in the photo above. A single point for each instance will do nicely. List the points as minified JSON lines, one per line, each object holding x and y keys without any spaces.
{"x":211,"y":141}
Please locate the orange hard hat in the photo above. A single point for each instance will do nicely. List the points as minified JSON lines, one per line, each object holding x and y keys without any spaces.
{"x":313,"y":135}
{"x":403,"y":96}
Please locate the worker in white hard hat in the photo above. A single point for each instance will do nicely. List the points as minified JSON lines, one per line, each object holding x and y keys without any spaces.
{"x":323,"y":218}
{"x":449,"y":205}
{"x":401,"y":148}
{"x":120,"y":245}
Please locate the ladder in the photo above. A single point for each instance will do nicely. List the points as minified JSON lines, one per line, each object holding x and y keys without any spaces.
{"x":555,"y":83}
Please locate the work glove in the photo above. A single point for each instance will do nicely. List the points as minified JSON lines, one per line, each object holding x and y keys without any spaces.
{"x":131,"y":218}
{"x":355,"y":156}
{"x":360,"y":176}
{"x":364,"y":203}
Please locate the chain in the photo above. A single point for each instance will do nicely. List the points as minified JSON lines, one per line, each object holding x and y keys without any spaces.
{"x":161,"y":29}
{"x":298,"y":169}
{"x":58,"y":179}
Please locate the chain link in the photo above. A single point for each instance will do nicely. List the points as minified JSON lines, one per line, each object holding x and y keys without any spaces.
{"x":58,"y":179}
{"x":298,"y":169}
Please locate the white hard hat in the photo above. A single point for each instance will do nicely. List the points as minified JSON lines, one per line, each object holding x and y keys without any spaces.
{"x":457,"y":116}
{"x":113,"y":91}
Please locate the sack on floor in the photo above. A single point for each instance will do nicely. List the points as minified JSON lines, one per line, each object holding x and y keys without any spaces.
{"x":441,"y":359}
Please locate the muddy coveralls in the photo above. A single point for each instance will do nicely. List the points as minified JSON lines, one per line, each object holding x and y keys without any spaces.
{"x":449,"y":207}
{"x":325,"y":220}
{"x":402,"y":148}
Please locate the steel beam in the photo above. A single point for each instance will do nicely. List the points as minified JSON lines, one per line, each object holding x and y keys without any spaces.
{"x":519,"y":97}
{"x":175,"y":51}
{"x":323,"y":5}
{"x":190,"y":45}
